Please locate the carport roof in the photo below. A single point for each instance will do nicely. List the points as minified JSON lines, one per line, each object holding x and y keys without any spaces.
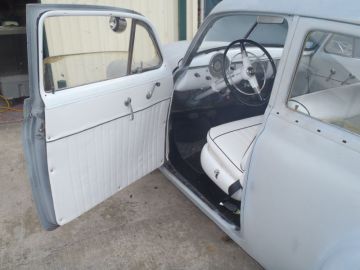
{"x":337,"y":10}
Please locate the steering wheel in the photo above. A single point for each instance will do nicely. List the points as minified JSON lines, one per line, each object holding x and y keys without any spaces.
{"x":246,"y":70}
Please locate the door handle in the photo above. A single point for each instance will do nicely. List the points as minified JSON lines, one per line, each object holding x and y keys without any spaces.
{"x":332,"y":73}
{"x":128,"y":104}
{"x":151,"y":92}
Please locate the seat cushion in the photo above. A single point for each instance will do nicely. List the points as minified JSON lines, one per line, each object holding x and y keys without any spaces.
{"x":228,"y":147}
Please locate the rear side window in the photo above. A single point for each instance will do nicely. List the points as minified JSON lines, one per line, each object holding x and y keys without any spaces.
{"x":80,"y":50}
{"x":341,"y":45}
{"x":327,"y":81}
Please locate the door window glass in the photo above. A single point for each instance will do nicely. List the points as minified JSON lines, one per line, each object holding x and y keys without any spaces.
{"x":146,"y":55}
{"x":79,"y":50}
{"x":326,"y":84}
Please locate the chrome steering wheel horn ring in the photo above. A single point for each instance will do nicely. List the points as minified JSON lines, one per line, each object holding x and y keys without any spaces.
{"x":248,"y":72}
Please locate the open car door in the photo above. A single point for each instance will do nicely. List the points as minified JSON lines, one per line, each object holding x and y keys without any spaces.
{"x":96,"y":118}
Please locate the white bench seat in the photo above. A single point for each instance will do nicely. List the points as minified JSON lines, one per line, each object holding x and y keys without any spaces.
{"x":224,"y":156}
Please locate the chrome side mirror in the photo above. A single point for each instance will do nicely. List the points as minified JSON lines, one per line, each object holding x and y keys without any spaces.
{"x":117,"y":24}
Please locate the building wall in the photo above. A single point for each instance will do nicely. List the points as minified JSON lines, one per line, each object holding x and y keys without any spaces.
{"x":192,"y":18}
{"x":162,"y":13}
{"x":208,"y":5}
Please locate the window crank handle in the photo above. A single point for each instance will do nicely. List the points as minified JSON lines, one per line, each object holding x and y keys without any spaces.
{"x":332,"y":73}
{"x":151,"y":92}
{"x":128,"y":104}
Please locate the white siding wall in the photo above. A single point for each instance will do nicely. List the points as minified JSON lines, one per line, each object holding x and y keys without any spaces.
{"x":192,"y":13}
{"x":162,"y":13}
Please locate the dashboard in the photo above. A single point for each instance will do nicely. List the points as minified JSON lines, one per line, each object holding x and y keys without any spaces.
{"x":205,"y":70}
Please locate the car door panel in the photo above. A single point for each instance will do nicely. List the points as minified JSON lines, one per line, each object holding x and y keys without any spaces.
{"x":90,"y":166}
{"x":99,"y":150}
{"x":102,"y":103}
{"x":85,"y":143}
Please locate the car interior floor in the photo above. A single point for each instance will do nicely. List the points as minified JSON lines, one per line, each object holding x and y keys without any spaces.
{"x":188,"y":131}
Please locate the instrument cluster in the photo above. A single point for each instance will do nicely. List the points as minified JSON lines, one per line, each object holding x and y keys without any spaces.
{"x":217,"y":63}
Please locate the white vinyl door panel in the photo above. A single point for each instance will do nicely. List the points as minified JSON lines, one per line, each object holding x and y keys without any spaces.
{"x":94,"y":149}
{"x":70,"y":111}
{"x":90,"y":166}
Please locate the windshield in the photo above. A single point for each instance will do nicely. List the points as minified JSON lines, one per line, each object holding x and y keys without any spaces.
{"x":232,"y":27}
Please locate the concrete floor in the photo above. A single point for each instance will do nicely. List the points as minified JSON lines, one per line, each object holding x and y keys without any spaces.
{"x":13,"y":115}
{"x":149,"y":225}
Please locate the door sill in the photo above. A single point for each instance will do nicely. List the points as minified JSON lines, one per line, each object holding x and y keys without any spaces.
{"x":210,"y":211}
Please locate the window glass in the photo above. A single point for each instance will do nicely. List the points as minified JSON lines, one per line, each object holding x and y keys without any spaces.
{"x":236,"y":27}
{"x":233,"y":27}
{"x":80,"y":50}
{"x":270,"y":34}
{"x":327,"y":87}
{"x":146,"y":55}
{"x":341,"y":45}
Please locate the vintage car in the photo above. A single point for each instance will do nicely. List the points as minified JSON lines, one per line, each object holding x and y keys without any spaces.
{"x":257,"y":121}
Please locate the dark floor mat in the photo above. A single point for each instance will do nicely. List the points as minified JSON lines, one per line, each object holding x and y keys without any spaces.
{"x":195,"y":163}
{"x":193,"y":177}
{"x":191,"y":128}
{"x":187,"y":149}
{"x":188,"y":136}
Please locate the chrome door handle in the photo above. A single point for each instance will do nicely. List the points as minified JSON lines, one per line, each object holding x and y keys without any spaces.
{"x":151,"y":92}
{"x":128,"y":104}
{"x":332,"y":73}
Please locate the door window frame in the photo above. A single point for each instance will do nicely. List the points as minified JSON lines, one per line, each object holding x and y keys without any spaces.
{"x":287,"y":73}
{"x":134,"y":24}
{"x":136,"y":19}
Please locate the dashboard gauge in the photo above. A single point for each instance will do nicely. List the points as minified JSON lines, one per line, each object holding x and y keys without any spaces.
{"x":216,"y":65}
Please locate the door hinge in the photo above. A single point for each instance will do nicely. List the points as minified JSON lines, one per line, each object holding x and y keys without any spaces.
{"x":41,"y":132}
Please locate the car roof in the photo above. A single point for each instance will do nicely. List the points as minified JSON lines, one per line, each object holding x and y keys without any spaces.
{"x":336,"y":10}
